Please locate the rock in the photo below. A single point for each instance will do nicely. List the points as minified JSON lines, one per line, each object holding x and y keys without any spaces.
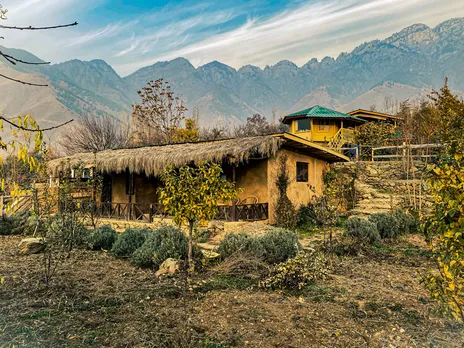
{"x":210,"y":255}
{"x":169,"y":266}
{"x":29,"y":246}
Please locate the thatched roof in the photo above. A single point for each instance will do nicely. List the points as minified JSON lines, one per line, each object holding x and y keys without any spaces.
{"x":152,"y":160}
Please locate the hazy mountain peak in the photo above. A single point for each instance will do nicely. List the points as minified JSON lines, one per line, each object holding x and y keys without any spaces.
{"x":181,"y":61}
{"x":286,"y":63}
{"x":217,"y":65}
{"x":249,"y":69}
{"x":414,"y":35}
{"x":450,"y":24}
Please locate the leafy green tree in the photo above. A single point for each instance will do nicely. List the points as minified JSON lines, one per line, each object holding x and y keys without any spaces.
{"x":189,"y":134}
{"x":445,"y":227}
{"x":192,"y":194}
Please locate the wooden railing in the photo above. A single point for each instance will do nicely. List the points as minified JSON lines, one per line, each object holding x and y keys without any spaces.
{"x":417,"y":152}
{"x":10,"y":205}
{"x":146,"y":212}
{"x":342,"y":137}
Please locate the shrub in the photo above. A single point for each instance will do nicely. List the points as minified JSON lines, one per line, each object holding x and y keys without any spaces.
{"x":160,"y":245}
{"x":66,"y":230}
{"x":102,"y":238}
{"x":129,"y":241}
{"x":387,"y":225}
{"x":285,"y":212}
{"x":279,"y":245}
{"x":233,"y":243}
{"x":407,"y":222}
{"x":364,"y":231}
{"x":5,"y":228}
{"x":297,"y":272}
{"x":275,"y":246}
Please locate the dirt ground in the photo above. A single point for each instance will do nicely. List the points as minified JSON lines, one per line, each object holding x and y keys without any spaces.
{"x":371,"y":300}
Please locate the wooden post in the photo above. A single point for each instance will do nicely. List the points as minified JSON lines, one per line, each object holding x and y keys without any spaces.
{"x":234,"y":203}
{"x":150,"y":214}
{"x":372,"y":150}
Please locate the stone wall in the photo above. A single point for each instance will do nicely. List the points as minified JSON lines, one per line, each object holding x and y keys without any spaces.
{"x":385,"y":186}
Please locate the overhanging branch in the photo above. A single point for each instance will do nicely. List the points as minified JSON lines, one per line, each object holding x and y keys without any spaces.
{"x":35,"y":130}
{"x":38,"y":28}
{"x":23,"y":82}
{"x":13,"y":60}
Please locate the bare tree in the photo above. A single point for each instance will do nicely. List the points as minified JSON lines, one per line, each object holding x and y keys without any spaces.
{"x":258,"y":125}
{"x":159,"y":115}
{"x":214,"y":133}
{"x":95,"y":133}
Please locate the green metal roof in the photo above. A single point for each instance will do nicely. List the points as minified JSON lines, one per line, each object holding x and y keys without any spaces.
{"x":321,"y":112}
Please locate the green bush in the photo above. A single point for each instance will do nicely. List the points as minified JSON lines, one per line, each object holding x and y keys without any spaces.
{"x":279,"y":245}
{"x":233,"y":243}
{"x":275,"y":246}
{"x":407,"y":222}
{"x":5,"y":227}
{"x":129,"y":241}
{"x":160,"y":245}
{"x":66,"y":230}
{"x":387,"y":225}
{"x":303,"y":269}
{"x":102,"y":238}
{"x":14,"y":224}
{"x":363,"y":230}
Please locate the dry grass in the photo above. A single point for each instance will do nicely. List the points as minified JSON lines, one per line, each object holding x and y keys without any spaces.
{"x":152,"y":160}
{"x":369,"y":301}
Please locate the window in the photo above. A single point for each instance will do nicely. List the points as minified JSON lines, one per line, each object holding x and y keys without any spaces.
{"x":302,"y":170}
{"x":303,"y":125}
{"x":324,"y":125}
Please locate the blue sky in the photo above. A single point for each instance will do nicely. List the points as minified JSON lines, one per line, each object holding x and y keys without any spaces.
{"x":132,"y":34}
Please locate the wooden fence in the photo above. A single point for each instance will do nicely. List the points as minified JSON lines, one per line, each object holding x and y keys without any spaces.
{"x":146,"y":212}
{"x":423,"y":152}
{"x":9,"y":205}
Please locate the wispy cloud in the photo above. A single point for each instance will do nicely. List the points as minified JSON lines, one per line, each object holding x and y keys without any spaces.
{"x":235,"y":32}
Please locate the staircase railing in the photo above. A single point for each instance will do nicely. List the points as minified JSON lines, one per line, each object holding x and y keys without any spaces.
{"x":342,"y":137}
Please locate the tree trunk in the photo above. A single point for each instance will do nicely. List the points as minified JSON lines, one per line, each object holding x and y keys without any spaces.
{"x":190,"y":248}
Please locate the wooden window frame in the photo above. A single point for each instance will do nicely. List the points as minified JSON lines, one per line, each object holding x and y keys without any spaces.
{"x":302,"y":177}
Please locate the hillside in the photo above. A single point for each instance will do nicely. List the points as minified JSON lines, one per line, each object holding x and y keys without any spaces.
{"x":408,"y":64}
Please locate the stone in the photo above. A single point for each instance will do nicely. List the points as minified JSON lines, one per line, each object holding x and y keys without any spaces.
{"x":169,"y":266}
{"x":210,"y":255}
{"x":29,"y":246}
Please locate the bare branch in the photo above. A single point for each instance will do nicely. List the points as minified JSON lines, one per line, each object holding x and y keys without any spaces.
{"x":23,"y":82}
{"x":35,"y":130}
{"x":13,"y":60}
{"x":38,"y":28}
{"x":93,"y":133}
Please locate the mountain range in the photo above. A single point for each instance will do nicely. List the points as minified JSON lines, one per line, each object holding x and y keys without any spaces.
{"x":406,"y":65}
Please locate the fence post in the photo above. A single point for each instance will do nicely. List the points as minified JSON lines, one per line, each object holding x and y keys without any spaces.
{"x":150,"y":214}
{"x":372,"y":152}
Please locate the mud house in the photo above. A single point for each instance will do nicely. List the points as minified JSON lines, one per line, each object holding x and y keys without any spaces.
{"x":131,"y":176}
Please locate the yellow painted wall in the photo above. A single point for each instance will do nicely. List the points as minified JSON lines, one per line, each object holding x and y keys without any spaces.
{"x":325,"y":134}
{"x":303,"y":134}
{"x":252,"y":178}
{"x":298,"y":192}
{"x":315,"y":134}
